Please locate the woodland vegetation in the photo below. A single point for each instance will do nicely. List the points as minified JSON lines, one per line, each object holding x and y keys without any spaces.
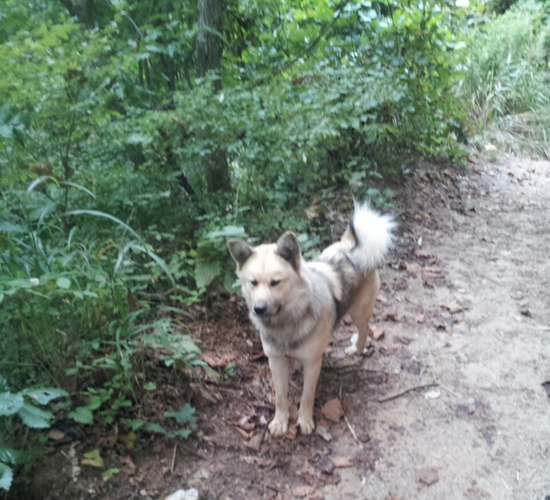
{"x":136,"y":136}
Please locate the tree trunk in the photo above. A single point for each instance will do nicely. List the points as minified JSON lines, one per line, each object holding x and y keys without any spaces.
{"x":83,"y":10}
{"x":209,"y":58}
{"x":209,"y":41}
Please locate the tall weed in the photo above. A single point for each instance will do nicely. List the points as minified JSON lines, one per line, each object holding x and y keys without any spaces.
{"x":507,"y":85}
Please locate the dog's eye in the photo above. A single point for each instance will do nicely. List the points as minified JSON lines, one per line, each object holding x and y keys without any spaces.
{"x":253,"y":282}
{"x":275,"y":282}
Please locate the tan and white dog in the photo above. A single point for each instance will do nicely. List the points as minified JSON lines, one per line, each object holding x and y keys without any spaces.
{"x":296,"y":304}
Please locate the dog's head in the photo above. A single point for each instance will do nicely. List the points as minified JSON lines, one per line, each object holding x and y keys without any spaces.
{"x":268,"y":273}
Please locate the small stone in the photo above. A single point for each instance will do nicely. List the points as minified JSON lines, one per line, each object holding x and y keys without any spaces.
{"x":427,"y":476}
{"x":190,"y":494}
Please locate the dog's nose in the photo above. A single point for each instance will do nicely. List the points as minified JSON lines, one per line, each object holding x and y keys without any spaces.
{"x":260,"y":310}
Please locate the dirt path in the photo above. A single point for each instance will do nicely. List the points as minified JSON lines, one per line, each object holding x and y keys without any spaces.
{"x":488,"y":432}
{"x":465,"y":305}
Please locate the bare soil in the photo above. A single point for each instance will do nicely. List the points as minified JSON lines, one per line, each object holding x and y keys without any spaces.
{"x":451,"y":402}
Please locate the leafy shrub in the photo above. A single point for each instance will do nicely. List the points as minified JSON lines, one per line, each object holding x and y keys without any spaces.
{"x":26,"y":406}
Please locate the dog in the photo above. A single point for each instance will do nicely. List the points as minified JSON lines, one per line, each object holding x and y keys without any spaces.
{"x":296,"y":305}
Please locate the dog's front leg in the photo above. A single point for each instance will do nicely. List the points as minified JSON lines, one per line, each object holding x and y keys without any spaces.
{"x":312,"y":369}
{"x":280,"y":373}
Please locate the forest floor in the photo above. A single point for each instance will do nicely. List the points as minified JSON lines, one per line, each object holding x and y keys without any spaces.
{"x":452,"y":401}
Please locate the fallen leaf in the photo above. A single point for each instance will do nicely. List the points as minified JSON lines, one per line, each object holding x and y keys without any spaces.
{"x":432,"y":270}
{"x":292,"y":432}
{"x":323,"y":432}
{"x":323,"y":422}
{"x":376,"y":332}
{"x":56,"y":435}
{"x":243,"y":433}
{"x":341,"y":462}
{"x":214,"y":361}
{"x":128,"y":466}
{"x":427,"y":476}
{"x":419,"y":318}
{"x":381,"y":298}
{"x":332,"y":410}
{"x":410,"y":268}
{"x":423,"y":254}
{"x":389,"y":316}
{"x":255,"y":442}
{"x":303,"y":491}
{"x":392,"y":496}
{"x":93,"y":459}
{"x":258,"y":356}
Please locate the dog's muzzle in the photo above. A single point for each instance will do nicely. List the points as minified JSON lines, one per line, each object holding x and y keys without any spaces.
{"x":260,"y":310}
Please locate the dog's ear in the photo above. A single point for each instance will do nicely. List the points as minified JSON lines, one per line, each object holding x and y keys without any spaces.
{"x":289,"y":249}
{"x":240,"y":251}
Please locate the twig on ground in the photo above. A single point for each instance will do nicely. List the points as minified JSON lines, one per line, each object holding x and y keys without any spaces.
{"x":449,"y":390}
{"x":504,"y":483}
{"x":410,"y":389}
{"x":173,"y":459}
{"x":352,"y":431}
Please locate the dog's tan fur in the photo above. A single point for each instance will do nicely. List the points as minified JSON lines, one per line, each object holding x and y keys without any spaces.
{"x":296,"y":305}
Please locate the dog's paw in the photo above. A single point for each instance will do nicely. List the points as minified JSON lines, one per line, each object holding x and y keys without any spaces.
{"x":279,"y":425}
{"x":352,"y":349}
{"x":306,"y":424}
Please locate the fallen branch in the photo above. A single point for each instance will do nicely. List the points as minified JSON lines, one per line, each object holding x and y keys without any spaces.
{"x":352,"y":430}
{"x":406,"y":391}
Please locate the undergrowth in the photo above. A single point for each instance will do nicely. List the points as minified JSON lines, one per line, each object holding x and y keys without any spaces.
{"x":506,"y":86}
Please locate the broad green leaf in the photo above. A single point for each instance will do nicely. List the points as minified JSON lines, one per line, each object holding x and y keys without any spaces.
{"x":43,"y":396}
{"x":185,"y":415}
{"x":205,"y":273}
{"x":63,"y":283}
{"x":8,"y":227}
{"x":6,"y":131}
{"x":34,"y":417}
{"x":152,"y":427}
{"x":82,"y":415}
{"x":10,"y":404}
{"x":184,"y":433}
{"x":9,"y":456}
{"x":6,"y":476}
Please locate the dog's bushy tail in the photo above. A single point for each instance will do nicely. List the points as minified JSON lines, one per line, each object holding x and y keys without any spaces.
{"x":373,"y":236}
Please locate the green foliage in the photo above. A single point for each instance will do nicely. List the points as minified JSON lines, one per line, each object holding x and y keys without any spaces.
{"x":24,"y":405}
{"x":507,"y":79}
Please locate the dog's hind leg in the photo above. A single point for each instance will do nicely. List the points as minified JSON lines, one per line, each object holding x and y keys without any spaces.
{"x":280,"y":373}
{"x":312,"y":369}
{"x":361,"y":311}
